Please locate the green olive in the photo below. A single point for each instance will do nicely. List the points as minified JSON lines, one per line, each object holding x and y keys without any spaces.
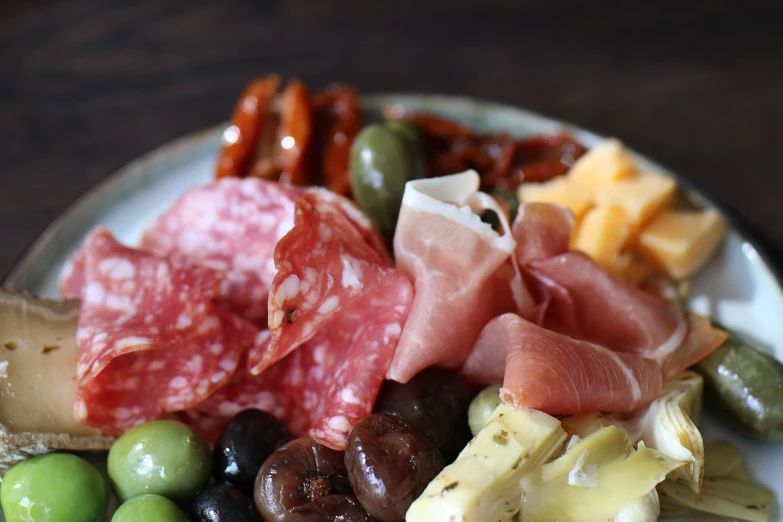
{"x":405,"y":128}
{"x":482,"y":406}
{"x":149,"y":508}
{"x":163,"y":457}
{"x":746,"y":384}
{"x":57,"y":487}
{"x":383,"y":159}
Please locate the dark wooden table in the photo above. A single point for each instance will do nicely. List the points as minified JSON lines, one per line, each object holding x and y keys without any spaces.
{"x":88,"y":85}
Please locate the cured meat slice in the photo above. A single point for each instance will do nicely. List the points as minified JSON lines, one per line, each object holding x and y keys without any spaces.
{"x":557,"y":374}
{"x":462,"y":269}
{"x":150,"y":339}
{"x":321,"y":389}
{"x":587,"y":302}
{"x":580,"y":299}
{"x":326,"y":272}
{"x":232,"y":226}
{"x":541,"y":231}
{"x":702,"y":340}
{"x":336,"y":313}
{"x":361,"y":221}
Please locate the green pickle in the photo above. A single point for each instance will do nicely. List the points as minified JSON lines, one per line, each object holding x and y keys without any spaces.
{"x":163,"y":457}
{"x":747,"y":385}
{"x":384,"y":157}
{"x":149,"y":508}
{"x":58,"y":487}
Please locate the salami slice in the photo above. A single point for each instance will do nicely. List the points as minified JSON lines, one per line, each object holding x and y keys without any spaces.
{"x":150,"y":339}
{"x":326,"y":270}
{"x":321,"y":389}
{"x":337,"y":309}
{"x":231,"y":225}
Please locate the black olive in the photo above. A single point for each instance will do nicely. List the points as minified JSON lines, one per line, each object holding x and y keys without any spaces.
{"x":224,"y":503}
{"x":304,"y":481}
{"x":436,"y":403}
{"x":243,"y":446}
{"x":389,"y":464}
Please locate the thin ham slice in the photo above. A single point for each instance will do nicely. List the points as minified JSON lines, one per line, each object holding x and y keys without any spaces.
{"x":541,"y":231}
{"x":579,"y":298}
{"x":589,"y":303}
{"x":150,"y":339}
{"x":463,"y":272}
{"x":557,"y":374}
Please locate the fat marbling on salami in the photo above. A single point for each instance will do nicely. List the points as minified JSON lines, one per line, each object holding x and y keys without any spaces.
{"x":336,"y":311}
{"x":150,"y":339}
{"x":232,"y":226}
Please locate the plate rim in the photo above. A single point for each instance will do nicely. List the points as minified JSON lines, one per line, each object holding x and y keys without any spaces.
{"x":96,"y":193}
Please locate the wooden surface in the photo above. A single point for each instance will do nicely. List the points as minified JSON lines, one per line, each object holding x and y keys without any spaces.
{"x":88,"y":85}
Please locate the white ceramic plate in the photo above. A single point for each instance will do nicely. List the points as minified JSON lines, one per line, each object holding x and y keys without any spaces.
{"x":738,"y":287}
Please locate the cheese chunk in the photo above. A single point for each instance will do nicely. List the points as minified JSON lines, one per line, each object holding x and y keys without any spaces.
{"x":38,"y":359}
{"x":38,"y":386}
{"x":602,"y":234}
{"x":559,"y":191}
{"x":641,"y":198}
{"x":605,"y":163}
{"x":679,"y":242}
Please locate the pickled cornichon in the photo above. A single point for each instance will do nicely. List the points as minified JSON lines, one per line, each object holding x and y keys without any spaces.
{"x":747,"y":384}
{"x":384,"y":156}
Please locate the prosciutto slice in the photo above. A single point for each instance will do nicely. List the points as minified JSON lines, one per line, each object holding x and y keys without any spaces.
{"x":557,"y":374}
{"x":463,"y":272}
{"x":579,"y":298}
{"x":589,"y":303}
{"x":541,"y":231}
{"x":150,"y":339}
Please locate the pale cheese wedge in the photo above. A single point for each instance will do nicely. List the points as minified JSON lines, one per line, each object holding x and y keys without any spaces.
{"x":679,"y":242}
{"x":641,"y":198}
{"x":607,"y":162}
{"x":602,"y":234}
{"x":560,"y":191}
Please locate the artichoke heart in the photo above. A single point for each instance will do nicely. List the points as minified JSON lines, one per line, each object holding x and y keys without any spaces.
{"x":722,"y":496}
{"x":623,"y":481}
{"x":668,"y":425}
{"x":483,"y":484}
{"x":644,"y":509}
{"x":725,"y":491}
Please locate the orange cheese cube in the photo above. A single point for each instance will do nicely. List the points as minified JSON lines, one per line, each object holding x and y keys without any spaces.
{"x":641,"y":198}
{"x":559,"y":191}
{"x":605,"y":163}
{"x":679,"y":242}
{"x":602,"y":234}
